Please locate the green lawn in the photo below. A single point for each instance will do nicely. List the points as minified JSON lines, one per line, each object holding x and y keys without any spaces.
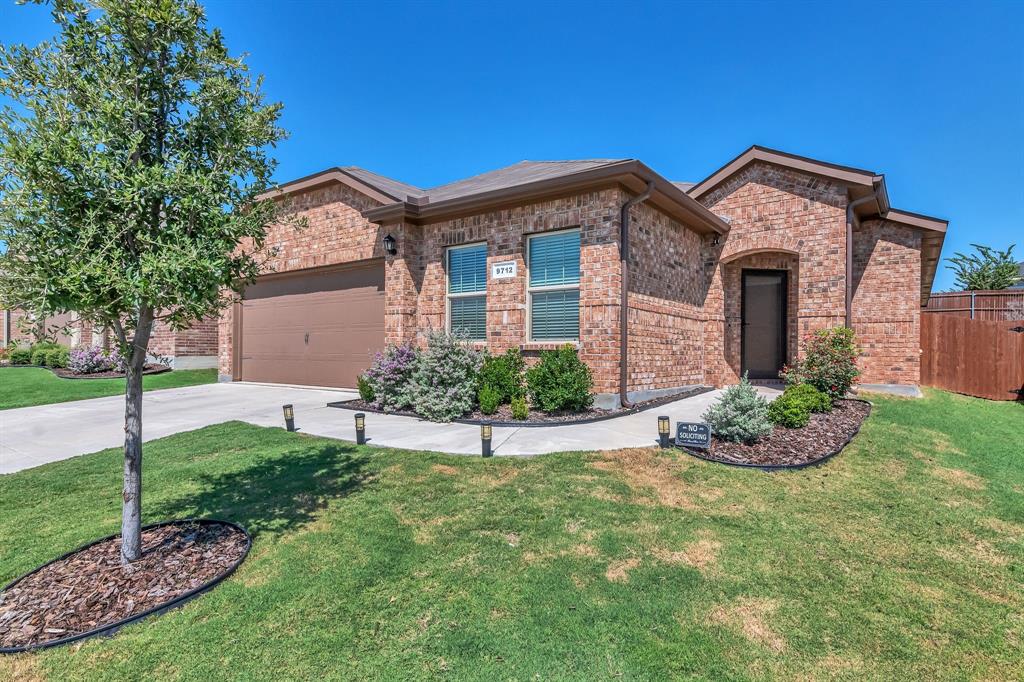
{"x":903,"y":558}
{"x":26,"y":386}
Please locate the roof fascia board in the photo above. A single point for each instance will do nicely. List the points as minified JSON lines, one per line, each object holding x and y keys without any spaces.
{"x":324,"y":177}
{"x":922,"y":222}
{"x":845,"y":174}
{"x":676,"y":202}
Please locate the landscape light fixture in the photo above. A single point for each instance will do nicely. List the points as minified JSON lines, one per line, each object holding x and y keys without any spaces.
{"x":663,"y":431}
{"x":390,"y":245}
{"x":360,"y":428}
{"x":289,"y":417}
{"x":485,"y":439}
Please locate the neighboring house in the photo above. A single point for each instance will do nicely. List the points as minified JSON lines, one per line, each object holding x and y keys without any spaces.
{"x":722,"y":277}
{"x":193,"y":348}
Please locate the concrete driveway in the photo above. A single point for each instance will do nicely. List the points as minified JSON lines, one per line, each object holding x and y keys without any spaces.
{"x":31,"y":436}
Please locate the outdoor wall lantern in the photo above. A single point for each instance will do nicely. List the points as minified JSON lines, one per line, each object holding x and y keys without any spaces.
{"x":663,"y":431}
{"x":289,"y":417}
{"x":485,"y":439}
{"x":390,"y":245}
{"x":360,"y":428}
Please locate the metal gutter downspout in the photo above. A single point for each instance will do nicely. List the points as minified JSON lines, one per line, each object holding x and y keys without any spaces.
{"x":850,"y":217}
{"x":624,"y":290}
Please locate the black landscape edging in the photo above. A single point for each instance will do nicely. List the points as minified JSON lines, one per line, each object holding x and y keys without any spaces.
{"x":163,"y":369}
{"x":649,"y":405}
{"x":112,"y":628}
{"x":780,"y":467}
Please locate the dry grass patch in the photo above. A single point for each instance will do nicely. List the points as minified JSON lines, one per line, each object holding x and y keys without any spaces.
{"x":423,"y":530}
{"x":618,"y":571}
{"x":959,"y":477}
{"x":1012,"y":531}
{"x":20,"y":668}
{"x":750,"y":617}
{"x":701,"y":554}
{"x":650,"y":471}
{"x":445,"y":469}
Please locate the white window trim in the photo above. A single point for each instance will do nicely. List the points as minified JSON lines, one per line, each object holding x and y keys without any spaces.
{"x":467,"y":294}
{"x":531,"y":290}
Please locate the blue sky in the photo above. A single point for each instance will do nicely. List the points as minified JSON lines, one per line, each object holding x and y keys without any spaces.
{"x":931,"y":94}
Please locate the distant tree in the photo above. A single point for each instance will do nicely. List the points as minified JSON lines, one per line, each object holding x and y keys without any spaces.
{"x":988,"y":269}
{"x":129,"y":170}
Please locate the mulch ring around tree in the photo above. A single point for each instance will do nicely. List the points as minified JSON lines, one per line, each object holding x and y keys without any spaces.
{"x":148,"y":369}
{"x":88,"y":592}
{"x":503,"y":416}
{"x":824,"y":436}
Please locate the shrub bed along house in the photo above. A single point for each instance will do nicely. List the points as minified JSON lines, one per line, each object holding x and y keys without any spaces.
{"x":810,"y":421}
{"x":43,"y":354}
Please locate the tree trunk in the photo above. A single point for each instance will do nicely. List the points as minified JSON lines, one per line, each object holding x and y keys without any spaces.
{"x":131,"y":508}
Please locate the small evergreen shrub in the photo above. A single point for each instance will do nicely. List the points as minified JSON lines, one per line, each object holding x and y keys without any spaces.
{"x":520,"y":411}
{"x":444,"y":382}
{"x":20,"y":355}
{"x":489,"y":399}
{"x":504,"y":373}
{"x":57,"y":358}
{"x":390,"y":377}
{"x":365,"y":389}
{"x":560,"y":381}
{"x":810,"y":397}
{"x":829,"y":362}
{"x":740,"y":415}
{"x":789,"y":412}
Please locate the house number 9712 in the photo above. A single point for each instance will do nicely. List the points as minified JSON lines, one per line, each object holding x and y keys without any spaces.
{"x":503,"y":270}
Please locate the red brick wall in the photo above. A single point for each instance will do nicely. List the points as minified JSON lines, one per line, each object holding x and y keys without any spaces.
{"x":775,"y":210}
{"x":886,"y":301}
{"x":666,"y":315}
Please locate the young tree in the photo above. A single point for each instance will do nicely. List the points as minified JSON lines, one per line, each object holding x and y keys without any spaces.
{"x":129,"y":169}
{"x":988,"y":269}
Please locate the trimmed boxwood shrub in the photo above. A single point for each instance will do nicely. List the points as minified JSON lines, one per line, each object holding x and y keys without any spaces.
{"x":489,"y":399}
{"x":20,"y":355}
{"x":504,"y":374}
{"x":520,"y":411}
{"x":560,"y":381}
{"x":740,"y":415}
{"x":793,"y":408}
{"x":57,"y":358}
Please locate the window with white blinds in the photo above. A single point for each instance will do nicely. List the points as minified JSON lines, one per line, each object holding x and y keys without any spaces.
{"x":554,"y":286}
{"x":467,"y":291}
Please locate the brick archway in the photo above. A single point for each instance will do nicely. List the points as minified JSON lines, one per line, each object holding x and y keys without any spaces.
{"x":759,"y":243}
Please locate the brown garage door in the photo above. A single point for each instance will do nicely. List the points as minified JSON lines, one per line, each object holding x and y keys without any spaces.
{"x":318,"y":328}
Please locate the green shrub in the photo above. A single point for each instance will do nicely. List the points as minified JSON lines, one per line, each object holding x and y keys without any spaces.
{"x":489,"y":399}
{"x":444,"y":382}
{"x":520,"y":411}
{"x":740,"y":415}
{"x":365,"y":389}
{"x":38,"y":356}
{"x":20,"y":355}
{"x":560,"y":381}
{"x":788,"y":412}
{"x":810,"y":397}
{"x":829,"y":362}
{"x":57,"y":358}
{"x":504,"y":373}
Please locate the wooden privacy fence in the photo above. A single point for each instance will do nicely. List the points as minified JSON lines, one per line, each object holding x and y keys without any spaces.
{"x":983,"y":358}
{"x":1007,"y":304}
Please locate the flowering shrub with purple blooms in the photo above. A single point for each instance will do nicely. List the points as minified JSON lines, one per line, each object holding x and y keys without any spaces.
{"x":92,"y":359}
{"x":390,"y":377}
{"x":444,"y":383}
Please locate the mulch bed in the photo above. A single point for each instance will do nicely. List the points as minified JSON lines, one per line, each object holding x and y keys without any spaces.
{"x":825,"y":435}
{"x":148,"y":369}
{"x":90,"y":590}
{"x":503,"y":416}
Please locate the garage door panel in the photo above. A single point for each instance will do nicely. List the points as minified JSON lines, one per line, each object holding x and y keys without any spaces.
{"x":318,"y":329}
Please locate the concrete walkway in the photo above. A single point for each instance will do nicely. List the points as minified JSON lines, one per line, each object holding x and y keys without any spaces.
{"x":31,"y":436}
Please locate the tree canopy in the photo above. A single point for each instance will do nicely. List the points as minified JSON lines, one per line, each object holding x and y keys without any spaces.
{"x":988,"y":269}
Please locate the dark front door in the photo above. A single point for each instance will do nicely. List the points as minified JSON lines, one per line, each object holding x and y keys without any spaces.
{"x":764,"y":323}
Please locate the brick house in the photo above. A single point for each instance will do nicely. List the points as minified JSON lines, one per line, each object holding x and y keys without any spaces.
{"x":193,"y":348}
{"x":721,"y":277}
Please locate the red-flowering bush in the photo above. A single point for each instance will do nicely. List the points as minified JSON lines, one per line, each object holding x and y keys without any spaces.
{"x":829,"y":362}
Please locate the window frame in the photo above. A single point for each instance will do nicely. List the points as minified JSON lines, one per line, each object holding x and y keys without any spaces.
{"x":448,"y":295}
{"x":531,"y":290}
